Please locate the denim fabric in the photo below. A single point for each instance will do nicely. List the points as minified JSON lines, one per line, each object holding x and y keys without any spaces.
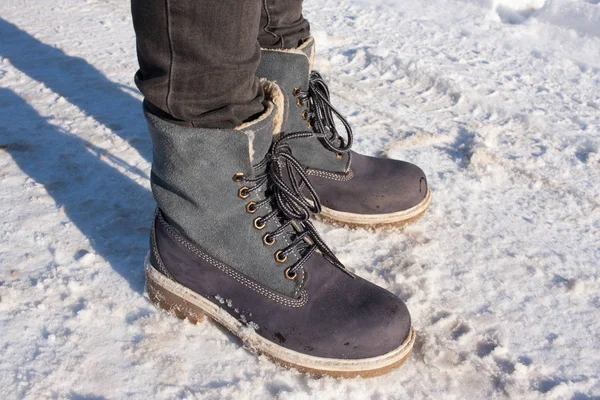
{"x":198,"y":58}
{"x":282,"y":25}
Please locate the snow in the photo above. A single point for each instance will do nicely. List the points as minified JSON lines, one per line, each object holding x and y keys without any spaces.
{"x":499,"y":102}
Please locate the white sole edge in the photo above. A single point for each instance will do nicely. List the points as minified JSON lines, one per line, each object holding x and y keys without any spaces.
{"x":257,"y":343}
{"x":377,"y":219}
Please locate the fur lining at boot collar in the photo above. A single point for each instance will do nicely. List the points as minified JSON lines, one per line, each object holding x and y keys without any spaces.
{"x":275,"y":104}
{"x":275,"y":96}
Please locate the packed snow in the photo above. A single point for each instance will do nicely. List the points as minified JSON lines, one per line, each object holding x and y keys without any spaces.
{"x":497,"y":100}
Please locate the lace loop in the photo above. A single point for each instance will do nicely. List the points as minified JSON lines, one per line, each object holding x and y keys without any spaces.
{"x":321,"y":115}
{"x":285,"y":179}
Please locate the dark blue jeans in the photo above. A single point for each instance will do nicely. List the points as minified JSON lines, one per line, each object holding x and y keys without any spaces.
{"x":198,"y":58}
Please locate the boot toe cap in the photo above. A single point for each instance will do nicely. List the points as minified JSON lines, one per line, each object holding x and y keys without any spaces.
{"x":410,"y":185}
{"x":382,"y":186}
{"x":353,"y":318}
{"x":383,"y":328}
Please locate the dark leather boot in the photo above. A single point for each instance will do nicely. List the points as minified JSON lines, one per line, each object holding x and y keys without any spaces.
{"x":232,"y":240}
{"x":356,"y":190}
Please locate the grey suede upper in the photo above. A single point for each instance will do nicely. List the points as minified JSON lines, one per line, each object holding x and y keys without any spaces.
{"x":289,"y":70}
{"x":192,"y":183}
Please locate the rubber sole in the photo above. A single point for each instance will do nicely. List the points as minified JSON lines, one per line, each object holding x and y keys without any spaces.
{"x":186,"y":304}
{"x":393,"y":220}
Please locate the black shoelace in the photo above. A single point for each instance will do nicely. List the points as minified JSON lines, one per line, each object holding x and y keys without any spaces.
{"x":321,"y":115}
{"x":288,"y":203}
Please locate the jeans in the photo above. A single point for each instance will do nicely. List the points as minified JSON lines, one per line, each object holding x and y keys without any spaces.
{"x":198,"y":58}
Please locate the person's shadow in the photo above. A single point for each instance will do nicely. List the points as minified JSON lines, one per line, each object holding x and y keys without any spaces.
{"x":111,"y":210}
{"x":80,"y":83}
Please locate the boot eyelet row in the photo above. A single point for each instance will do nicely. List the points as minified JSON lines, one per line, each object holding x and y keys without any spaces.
{"x":279,"y":257}
{"x":259,"y":223}
{"x":289,"y":274}
{"x":305,"y":117}
{"x":268,"y":240}
{"x":238,"y":177}
{"x":251,"y":207}
{"x":244,"y":192}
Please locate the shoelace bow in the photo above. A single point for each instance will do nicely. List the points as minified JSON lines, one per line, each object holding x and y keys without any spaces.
{"x":288,"y":203}
{"x":321,"y":115}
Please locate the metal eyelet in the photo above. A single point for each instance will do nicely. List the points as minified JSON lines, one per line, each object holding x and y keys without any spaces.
{"x":339,"y":155}
{"x":279,"y":258}
{"x":296,"y":91}
{"x":238,"y":177}
{"x":289,"y":274}
{"x":268,"y":239}
{"x":305,"y":115}
{"x":309,"y":124}
{"x":251,"y":207}
{"x":259,"y":223}
{"x":299,"y":103}
{"x":244,"y":192}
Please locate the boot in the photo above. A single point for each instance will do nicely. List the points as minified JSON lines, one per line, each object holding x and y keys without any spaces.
{"x":232,"y":240}
{"x":354,"y":189}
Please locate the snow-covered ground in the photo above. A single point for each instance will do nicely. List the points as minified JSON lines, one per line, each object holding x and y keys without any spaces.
{"x":499,"y":102}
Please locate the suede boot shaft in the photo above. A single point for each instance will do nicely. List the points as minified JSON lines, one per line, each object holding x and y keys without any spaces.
{"x":290,"y":69}
{"x":192,"y":182}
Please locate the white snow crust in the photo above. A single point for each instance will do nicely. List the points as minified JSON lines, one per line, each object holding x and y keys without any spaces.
{"x":497,"y":100}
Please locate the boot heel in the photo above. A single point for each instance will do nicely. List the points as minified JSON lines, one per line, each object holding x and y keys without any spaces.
{"x":171,"y":303}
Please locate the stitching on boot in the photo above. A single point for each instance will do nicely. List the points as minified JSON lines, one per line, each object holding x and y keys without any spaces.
{"x":295,"y":254}
{"x":161,"y":266}
{"x":301,"y":284}
{"x":234,"y":274}
{"x":342,"y":177}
